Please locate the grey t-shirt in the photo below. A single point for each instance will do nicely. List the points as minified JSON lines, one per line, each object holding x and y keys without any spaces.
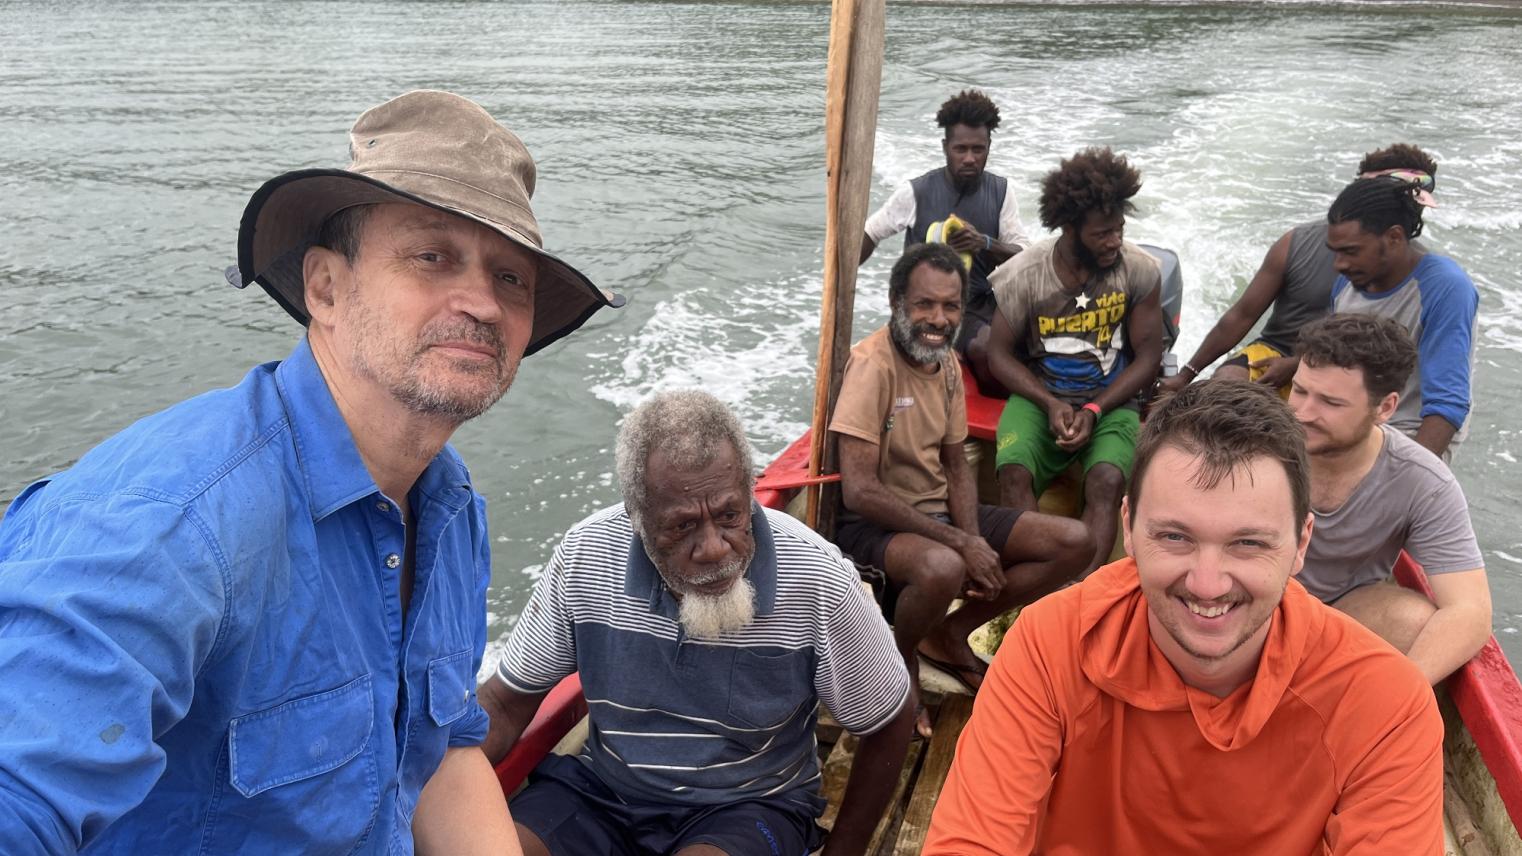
{"x":1408,"y":500}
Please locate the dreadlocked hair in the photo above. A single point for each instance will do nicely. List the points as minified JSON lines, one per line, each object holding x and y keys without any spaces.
{"x":1379,"y":203}
{"x":968,"y":107}
{"x":1398,"y":156}
{"x":1095,"y":179}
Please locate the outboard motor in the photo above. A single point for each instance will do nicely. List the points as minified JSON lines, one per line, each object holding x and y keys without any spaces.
{"x":1173,"y":293}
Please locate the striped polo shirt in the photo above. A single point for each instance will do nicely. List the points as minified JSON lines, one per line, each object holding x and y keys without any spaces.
{"x":675,"y":720}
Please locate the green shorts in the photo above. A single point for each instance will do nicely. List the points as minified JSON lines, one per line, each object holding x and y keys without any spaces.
{"x":1025,"y":438}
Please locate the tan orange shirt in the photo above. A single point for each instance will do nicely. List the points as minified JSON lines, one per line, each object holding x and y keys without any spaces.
{"x":909,"y":415}
{"x":1083,"y":740}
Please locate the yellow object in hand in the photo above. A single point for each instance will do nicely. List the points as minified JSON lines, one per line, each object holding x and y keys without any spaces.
{"x":940,"y":232}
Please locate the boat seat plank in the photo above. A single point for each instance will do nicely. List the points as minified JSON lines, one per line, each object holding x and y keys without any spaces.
{"x":954,"y":713}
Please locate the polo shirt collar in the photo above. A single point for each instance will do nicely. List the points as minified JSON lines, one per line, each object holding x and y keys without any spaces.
{"x":642,"y":580}
{"x":332,"y":472}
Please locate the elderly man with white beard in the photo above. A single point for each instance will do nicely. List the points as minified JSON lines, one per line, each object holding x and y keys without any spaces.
{"x":707,"y":630}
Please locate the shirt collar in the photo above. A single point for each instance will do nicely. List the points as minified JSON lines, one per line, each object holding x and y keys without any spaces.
{"x":642,"y":580}
{"x":332,"y":471}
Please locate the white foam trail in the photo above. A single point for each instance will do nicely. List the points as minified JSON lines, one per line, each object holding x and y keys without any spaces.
{"x":751,"y":355}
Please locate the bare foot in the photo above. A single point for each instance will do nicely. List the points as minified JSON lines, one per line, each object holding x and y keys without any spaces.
{"x":921,"y":716}
{"x":922,"y":722}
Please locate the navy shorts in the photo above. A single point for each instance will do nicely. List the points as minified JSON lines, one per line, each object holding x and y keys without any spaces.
{"x":575,"y":814}
{"x":867,"y":543}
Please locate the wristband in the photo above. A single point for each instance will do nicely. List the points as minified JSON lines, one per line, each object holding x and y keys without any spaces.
{"x":1193,"y":372}
{"x":988,"y":243}
{"x":1093,"y":408}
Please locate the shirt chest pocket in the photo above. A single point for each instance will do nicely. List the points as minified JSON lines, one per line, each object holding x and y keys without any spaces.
{"x":306,"y":769}
{"x":450,"y":680}
{"x":765,"y":692}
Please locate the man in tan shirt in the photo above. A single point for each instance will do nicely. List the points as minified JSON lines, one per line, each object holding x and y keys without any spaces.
{"x":911,"y":506}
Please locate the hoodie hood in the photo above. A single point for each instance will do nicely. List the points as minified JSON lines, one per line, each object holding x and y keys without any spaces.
{"x":1121,"y":660}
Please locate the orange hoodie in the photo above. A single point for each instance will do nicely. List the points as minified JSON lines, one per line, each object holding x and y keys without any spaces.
{"x":1084,"y":740}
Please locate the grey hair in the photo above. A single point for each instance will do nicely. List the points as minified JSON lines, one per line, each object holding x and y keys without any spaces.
{"x":687,"y":425}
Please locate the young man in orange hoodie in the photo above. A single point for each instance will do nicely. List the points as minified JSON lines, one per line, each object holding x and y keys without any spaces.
{"x":1192,"y":698}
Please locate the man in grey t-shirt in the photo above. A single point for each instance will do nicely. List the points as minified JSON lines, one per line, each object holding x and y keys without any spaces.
{"x":1375,"y":492}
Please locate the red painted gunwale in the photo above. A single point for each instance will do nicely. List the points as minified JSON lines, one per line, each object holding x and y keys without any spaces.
{"x":1485,"y":690}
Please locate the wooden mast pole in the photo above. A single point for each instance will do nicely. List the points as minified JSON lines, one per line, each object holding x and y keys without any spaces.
{"x":853,"y":77}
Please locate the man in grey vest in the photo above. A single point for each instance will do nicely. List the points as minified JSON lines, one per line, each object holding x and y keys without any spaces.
{"x":979,"y":199}
{"x":1296,"y":277}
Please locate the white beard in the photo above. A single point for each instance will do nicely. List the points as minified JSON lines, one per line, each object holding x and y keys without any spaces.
{"x":712,"y":616}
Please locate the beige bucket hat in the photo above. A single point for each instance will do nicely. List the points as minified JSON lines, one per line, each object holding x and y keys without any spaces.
{"x":428,"y":148}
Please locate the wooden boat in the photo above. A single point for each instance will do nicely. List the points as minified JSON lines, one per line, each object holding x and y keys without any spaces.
{"x":1481,"y":705}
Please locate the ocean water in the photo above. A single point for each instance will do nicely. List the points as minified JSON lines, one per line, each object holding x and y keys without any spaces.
{"x":680,"y":158}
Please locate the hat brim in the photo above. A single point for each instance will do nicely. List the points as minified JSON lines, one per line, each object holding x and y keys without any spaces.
{"x":284,"y":216}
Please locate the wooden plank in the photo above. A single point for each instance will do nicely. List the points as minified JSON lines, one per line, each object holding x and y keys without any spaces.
{"x":1468,"y":837}
{"x":885,"y":836}
{"x":832,"y":784}
{"x":1467,"y":770}
{"x":954,"y":712}
{"x":853,"y":79}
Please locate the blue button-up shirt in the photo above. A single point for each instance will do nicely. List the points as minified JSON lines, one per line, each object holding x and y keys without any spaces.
{"x":202,"y":645}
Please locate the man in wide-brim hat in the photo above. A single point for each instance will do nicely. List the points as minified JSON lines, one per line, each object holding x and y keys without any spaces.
{"x":252,"y":622}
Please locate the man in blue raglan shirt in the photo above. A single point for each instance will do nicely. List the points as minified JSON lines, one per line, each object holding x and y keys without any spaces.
{"x":1371,"y":227}
{"x":252,"y":623}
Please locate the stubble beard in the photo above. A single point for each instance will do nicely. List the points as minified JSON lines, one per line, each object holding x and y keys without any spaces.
{"x":405,"y":375}
{"x":1181,"y":639}
{"x":1332,"y":446}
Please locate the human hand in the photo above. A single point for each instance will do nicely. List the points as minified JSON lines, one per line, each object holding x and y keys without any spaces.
{"x":1081,"y":429}
{"x":985,"y":573}
{"x":1170,"y":385}
{"x":1277,"y":371}
{"x":968,"y":240}
{"x":1059,"y":418}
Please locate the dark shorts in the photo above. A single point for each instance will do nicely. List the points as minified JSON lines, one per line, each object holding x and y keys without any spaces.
{"x":575,"y":814}
{"x":866,"y":542}
{"x":976,"y":316}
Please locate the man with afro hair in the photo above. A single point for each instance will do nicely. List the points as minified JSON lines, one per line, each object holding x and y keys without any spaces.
{"x":1078,"y":336}
{"x":978,"y":198}
{"x":1296,"y":278}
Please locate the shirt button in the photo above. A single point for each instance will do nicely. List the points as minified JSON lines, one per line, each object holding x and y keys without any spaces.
{"x":393,"y":560}
{"x":383,"y":507}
